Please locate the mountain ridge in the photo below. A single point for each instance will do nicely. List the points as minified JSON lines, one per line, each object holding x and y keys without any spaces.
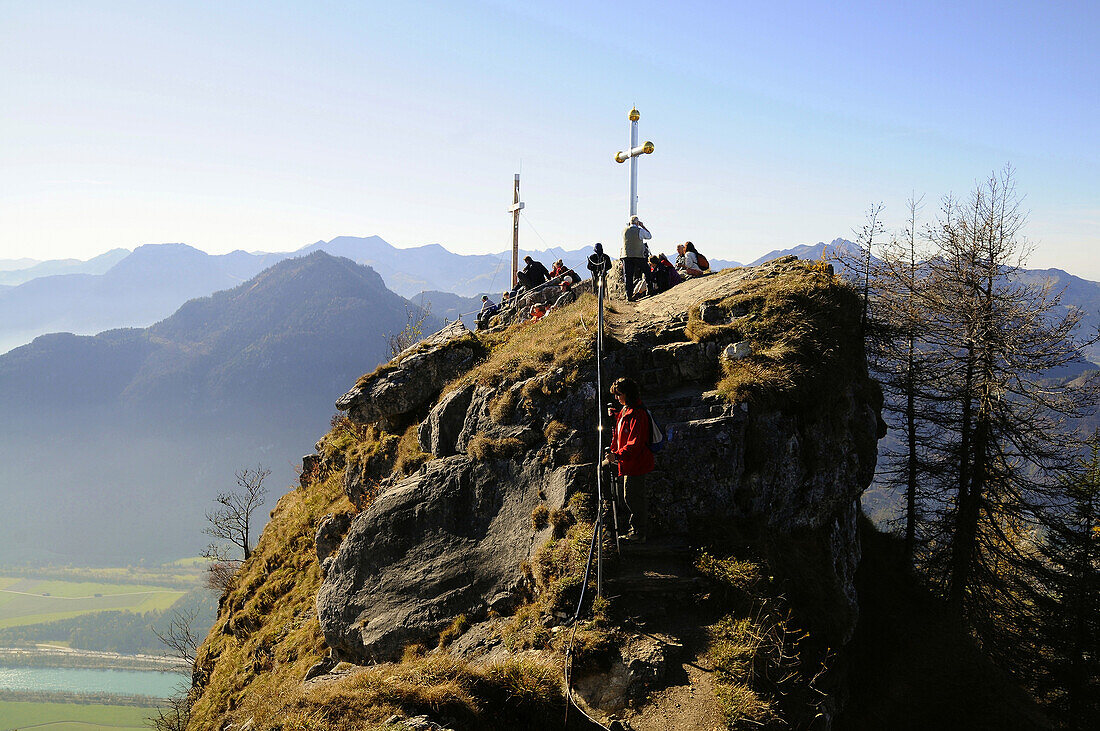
{"x":155,"y":416}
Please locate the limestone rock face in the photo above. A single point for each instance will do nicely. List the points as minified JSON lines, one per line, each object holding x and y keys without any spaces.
{"x":450,"y":538}
{"x":413,"y":383}
{"x":438,"y":434}
{"x":445,"y":541}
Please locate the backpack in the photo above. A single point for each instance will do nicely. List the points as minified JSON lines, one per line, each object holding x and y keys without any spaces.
{"x":703,"y":263}
{"x":657,"y":440}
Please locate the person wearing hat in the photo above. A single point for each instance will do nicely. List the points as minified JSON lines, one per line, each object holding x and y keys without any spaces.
{"x":558,"y":269}
{"x":599,"y":263}
{"x":634,"y":254}
{"x":567,"y":295}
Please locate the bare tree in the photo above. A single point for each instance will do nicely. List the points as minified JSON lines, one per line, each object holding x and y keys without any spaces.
{"x":232,"y":522}
{"x":413,"y":331}
{"x":182,"y":643}
{"x":1005,"y":432}
{"x":179,"y":637}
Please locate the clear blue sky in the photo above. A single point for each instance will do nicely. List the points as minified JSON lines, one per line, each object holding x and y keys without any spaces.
{"x":271,"y":125}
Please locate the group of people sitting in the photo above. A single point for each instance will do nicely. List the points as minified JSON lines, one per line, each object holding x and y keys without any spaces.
{"x":534,"y":277}
{"x":644,"y":274}
{"x":647,"y":274}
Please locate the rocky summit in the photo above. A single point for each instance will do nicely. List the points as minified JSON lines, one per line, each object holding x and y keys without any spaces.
{"x":433,"y":556}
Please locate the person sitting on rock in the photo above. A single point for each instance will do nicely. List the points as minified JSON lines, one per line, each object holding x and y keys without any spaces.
{"x":657,"y":276}
{"x":488,"y":309}
{"x":567,"y":296}
{"x":533,"y":274}
{"x":558,"y":269}
{"x":673,"y":275}
{"x":630,"y":453}
{"x":538,"y":311}
{"x":692,"y":267}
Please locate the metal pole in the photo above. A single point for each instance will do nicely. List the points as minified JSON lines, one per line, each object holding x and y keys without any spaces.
{"x":633,"y":164}
{"x":516,"y":208}
{"x":599,"y":282}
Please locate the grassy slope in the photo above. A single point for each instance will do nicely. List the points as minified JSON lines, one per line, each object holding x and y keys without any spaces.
{"x":79,"y":717}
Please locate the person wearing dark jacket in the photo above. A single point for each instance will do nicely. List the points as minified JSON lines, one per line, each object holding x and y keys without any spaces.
{"x":533,"y":274}
{"x":631,"y":454}
{"x":599,"y":263}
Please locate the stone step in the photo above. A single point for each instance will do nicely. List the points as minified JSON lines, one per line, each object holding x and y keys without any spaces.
{"x":656,"y":547}
{"x":653,"y":583}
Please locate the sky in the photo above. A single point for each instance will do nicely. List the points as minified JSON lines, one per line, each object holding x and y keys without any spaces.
{"x":268,"y":126}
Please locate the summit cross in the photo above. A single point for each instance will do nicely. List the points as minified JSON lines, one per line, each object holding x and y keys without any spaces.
{"x":632,"y":154}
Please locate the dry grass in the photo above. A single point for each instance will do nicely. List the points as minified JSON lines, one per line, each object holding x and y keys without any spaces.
{"x":409,"y":455}
{"x":732,"y":574}
{"x":483,"y":448}
{"x":512,"y":694}
{"x":455,"y":630}
{"x":562,"y":520}
{"x":804,"y":330}
{"x":556,"y":432}
{"x":563,"y":339}
{"x":266,"y":635}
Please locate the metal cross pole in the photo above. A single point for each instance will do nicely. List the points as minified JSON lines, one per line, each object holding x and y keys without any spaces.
{"x":515,"y":209}
{"x":632,"y":154}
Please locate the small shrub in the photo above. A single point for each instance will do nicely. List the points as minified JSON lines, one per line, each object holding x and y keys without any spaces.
{"x":540,"y":517}
{"x":456,"y":629}
{"x":562,"y":520}
{"x":413,"y":652}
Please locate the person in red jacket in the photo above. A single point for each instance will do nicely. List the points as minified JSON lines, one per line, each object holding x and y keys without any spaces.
{"x":631,"y":454}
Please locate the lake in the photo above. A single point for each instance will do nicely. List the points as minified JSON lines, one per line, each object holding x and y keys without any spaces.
{"x":82,"y":680}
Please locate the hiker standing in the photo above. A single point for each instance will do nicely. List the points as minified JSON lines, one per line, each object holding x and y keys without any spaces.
{"x":634,"y":254}
{"x":630,"y":452}
{"x":599,"y":263}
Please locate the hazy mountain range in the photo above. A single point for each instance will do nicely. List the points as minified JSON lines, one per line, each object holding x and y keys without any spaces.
{"x":136,"y":289}
{"x":113,"y":445}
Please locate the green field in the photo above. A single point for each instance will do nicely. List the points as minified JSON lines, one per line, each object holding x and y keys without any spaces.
{"x":30,"y":600}
{"x":71,"y":717}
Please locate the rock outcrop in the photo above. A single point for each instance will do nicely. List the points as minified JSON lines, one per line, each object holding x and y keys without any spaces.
{"x":450,"y":538}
